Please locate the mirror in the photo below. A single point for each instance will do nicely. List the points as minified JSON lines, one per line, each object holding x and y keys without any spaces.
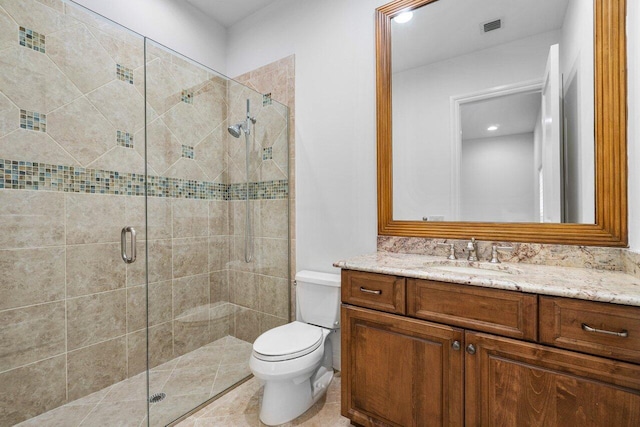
{"x":494,"y":94}
{"x":502,"y":120}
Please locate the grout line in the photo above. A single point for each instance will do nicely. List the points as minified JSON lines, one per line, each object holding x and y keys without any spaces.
{"x":90,"y":412}
{"x":126,"y":327}
{"x":22,"y":307}
{"x":124,"y":288}
{"x":217,"y":372}
{"x":66,"y":312}
{"x":33,"y":363}
{"x":99,"y":342}
{"x":173,"y":324}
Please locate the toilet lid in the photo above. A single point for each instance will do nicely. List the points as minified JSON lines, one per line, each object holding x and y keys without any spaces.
{"x":287,"y":342}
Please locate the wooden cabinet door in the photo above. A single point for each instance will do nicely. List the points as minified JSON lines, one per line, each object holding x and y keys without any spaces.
{"x":511,"y":383}
{"x":400,"y":372}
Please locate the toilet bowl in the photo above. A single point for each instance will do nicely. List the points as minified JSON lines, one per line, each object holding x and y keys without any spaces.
{"x":295,"y":360}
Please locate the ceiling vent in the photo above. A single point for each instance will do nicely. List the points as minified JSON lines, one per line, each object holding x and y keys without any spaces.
{"x":492,"y":25}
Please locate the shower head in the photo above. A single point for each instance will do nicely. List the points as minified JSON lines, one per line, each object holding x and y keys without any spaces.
{"x":235,"y":130}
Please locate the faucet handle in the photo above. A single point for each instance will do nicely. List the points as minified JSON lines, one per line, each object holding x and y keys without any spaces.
{"x":494,"y":252}
{"x":452,"y":250}
{"x":472,"y":248}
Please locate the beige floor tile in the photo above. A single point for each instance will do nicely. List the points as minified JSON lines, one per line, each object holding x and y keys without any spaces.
{"x":205,"y":356}
{"x":229,"y":375}
{"x":135,"y":388}
{"x":174,"y":407}
{"x":237,"y":353}
{"x":229,"y":421}
{"x":91,"y":400}
{"x":188,"y":381}
{"x":61,"y":417}
{"x":121,"y":414}
{"x":241,"y":406}
{"x":168,"y":366}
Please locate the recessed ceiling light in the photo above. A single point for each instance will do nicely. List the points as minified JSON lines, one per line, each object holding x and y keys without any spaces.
{"x":492,"y":128}
{"x":403,"y":17}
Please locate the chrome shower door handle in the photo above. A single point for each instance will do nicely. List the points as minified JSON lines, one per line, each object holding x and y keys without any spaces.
{"x":123,"y":244}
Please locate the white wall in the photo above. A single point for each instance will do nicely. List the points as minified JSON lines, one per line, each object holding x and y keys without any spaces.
{"x":173,"y":23}
{"x":633,"y":77}
{"x":422,"y":117}
{"x":576,"y":62}
{"x":495,"y":179}
{"x":333,"y":41}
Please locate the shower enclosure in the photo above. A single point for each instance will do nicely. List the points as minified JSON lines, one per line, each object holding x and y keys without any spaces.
{"x":102,"y":130}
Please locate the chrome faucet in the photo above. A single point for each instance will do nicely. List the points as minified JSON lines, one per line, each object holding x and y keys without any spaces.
{"x":452,"y":250}
{"x":472,"y":248}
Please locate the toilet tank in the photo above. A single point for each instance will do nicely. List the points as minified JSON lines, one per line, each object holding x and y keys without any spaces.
{"x":318,"y":298}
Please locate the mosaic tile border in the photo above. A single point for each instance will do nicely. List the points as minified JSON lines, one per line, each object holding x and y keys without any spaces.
{"x":267,"y":190}
{"x":125,"y":74}
{"x":32,"y":40}
{"x":32,"y":120}
{"x":187,"y":97}
{"x":23,"y":175}
{"x":188,"y":152}
{"x":124,"y":139}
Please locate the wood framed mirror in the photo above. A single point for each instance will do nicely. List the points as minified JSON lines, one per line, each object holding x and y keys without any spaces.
{"x":607,"y":225}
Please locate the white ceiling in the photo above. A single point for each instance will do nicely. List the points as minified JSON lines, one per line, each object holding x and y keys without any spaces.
{"x":449,"y":28}
{"x":228,"y":12}
{"x":513,"y":114}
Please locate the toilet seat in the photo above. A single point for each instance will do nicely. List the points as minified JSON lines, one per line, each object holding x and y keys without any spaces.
{"x":287,"y":342}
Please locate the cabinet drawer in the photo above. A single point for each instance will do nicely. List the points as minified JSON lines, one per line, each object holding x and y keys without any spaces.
{"x":507,"y":313}
{"x":593,"y":327}
{"x":377,"y":291}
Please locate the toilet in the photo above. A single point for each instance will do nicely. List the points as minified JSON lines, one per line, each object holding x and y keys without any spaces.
{"x":296,"y":360}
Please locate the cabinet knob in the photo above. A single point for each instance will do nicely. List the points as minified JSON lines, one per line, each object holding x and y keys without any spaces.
{"x":471,"y":349}
{"x":455,"y":345}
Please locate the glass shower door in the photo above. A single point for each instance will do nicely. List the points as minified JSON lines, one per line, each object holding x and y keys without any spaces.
{"x":189,"y":244}
{"x":89,"y":339}
{"x":207,"y":162}
{"x":72,"y":312}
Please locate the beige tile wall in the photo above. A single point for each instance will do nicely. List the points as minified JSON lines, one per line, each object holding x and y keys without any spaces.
{"x":278,"y":79}
{"x":72,"y":298}
{"x":72,"y":314}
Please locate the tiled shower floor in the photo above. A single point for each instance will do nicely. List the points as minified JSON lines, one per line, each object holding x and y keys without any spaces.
{"x":187,"y":381}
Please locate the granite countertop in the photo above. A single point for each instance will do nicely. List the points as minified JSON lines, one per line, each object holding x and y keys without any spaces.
{"x":581,"y":283}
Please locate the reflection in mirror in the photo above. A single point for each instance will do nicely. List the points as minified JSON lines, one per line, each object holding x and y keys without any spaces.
{"x":493,"y":112}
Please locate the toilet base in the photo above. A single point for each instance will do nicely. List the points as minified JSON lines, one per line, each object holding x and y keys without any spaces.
{"x":284,"y":401}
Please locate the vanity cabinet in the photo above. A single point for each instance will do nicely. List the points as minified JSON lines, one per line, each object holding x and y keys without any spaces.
{"x":464,"y":355}
{"x":514,"y":383}
{"x":400,"y":371}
